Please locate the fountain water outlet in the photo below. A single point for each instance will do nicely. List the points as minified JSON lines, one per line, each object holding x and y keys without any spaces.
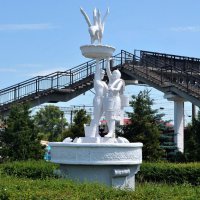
{"x":108,"y":160}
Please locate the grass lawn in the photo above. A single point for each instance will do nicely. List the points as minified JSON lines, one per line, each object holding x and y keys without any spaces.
{"x":22,"y":188}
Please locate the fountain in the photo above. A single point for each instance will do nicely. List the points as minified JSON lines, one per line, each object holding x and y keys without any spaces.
{"x":109,"y":160}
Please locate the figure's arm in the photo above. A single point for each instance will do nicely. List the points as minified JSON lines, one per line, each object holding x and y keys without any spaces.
{"x":97,"y":74}
{"x":119,"y":86}
{"x":108,"y":68}
{"x":105,"y":86}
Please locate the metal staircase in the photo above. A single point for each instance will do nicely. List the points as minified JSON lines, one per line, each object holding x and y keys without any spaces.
{"x":55,"y":87}
{"x":167,"y":73}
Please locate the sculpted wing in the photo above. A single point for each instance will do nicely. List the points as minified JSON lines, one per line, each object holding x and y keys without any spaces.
{"x":95,"y":17}
{"x":104,"y":18}
{"x":86,"y":17}
{"x":99,"y":17}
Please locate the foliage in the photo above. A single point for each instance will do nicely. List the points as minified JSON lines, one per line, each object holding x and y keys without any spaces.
{"x":170,"y":173}
{"x":192,"y":141}
{"x":76,"y":129}
{"x":144,"y":127}
{"x":149,"y":172}
{"x":19,"y":188}
{"x":29,"y":169}
{"x":167,"y":142}
{"x":39,"y":183}
{"x":50,"y":122}
{"x":19,"y":138}
{"x":2,"y":129}
{"x":2,"y":123}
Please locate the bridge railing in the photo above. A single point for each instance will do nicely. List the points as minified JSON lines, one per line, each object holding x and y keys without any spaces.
{"x":145,"y":67}
{"x":171,"y":69}
{"x":182,"y":62}
{"x":35,"y":86}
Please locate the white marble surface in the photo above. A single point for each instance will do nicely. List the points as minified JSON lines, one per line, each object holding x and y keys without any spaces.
{"x":97,"y":51}
{"x":97,"y":28}
{"x":96,"y":154}
{"x":109,"y":160}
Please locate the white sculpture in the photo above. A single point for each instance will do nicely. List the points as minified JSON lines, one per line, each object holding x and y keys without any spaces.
{"x":109,"y":99}
{"x":107,"y":160}
{"x":67,"y":140}
{"x":113,"y":107}
{"x":101,"y":89}
{"x":96,"y":30}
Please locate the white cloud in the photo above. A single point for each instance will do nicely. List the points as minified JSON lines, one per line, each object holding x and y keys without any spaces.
{"x":46,"y":72}
{"x":186,"y":29}
{"x":21,"y":27}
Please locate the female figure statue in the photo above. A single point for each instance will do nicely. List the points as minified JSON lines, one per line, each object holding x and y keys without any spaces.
{"x":101,"y":89}
{"x":113,"y":106}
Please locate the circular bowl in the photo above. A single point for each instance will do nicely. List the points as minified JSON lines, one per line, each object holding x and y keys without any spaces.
{"x":97,"y":51}
{"x":96,"y":154}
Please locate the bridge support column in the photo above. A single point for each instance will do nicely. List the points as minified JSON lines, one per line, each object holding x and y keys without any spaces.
{"x":178,"y":120}
{"x":179,"y":124}
{"x":194,"y":112}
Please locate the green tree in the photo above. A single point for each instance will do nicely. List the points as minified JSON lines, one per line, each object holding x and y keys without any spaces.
{"x":2,"y":129}
{"x":76,"y":129}
{"x":144,"y":127}
{"x":192,"y":141}
{"x":50,"y":122}
{"x":19,"y":138}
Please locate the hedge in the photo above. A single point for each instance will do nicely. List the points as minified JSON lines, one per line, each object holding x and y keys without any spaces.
{"x":29,"y":169}
{"x":149,"y":172}
{"x":57,"y":189}
{"x":170,"y":173}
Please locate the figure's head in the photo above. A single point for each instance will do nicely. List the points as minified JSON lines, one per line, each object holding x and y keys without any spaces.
{"x":116,"y":74}
{"x":102,"y":73}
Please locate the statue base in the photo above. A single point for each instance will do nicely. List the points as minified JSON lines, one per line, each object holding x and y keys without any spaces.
{"x":97,"y":51}
{"x":102,"y":140}
{"x":113,"y":164}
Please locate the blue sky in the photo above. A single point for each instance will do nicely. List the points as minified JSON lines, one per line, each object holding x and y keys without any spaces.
{"x":38,"y":37}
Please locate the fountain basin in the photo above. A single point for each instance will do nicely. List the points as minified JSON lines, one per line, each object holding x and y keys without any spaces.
{"x":113,"y":164}
{"x":96,"y":154}
{"x":97,"y":51}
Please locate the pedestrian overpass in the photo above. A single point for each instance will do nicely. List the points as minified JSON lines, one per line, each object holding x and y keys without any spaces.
{"x":178,"y":77}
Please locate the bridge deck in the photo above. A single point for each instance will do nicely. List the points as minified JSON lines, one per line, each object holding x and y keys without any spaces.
{"x":167,"y":73}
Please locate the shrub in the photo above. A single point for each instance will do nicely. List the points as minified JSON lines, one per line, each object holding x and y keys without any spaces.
{"x":29,"y":169}
{"x":170,"y":173}
{"x":19,"y":140}
{"x":149,"y":172}
{"x":28,"y":181}
{"x":4,"y":194}
{"x":20,"y":188}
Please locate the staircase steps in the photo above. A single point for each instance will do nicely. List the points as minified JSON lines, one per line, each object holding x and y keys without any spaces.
{"x":161,"y":70}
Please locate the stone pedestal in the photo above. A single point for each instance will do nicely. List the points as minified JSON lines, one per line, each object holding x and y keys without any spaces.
{"x":117,"y":176}
{"x":113,"y":164}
